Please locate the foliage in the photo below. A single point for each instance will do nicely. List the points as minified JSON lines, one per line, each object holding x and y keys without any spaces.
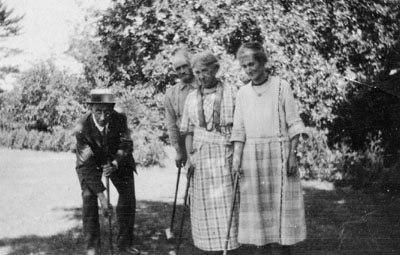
{"x":9,"y":23}
{"x":5,"y":70}
{"x":315,"y":45}
{"x":368,"y":170}
{"x":47,"y":98}
{"x":41,"y":112}
{"x":369,"y":110}
{"x":85,"y":47}
{"x":58,"y":140}
{"x":145,"y":119}
{"x":9,"y":26}
{"x":364,"y":168}
{"x":369,"y":52}
{"x":8,"y":101}
{"x":319,"y":162}
{"x":139,"y":39}
{"x":310,"y":43}
{"x":143,"y":107}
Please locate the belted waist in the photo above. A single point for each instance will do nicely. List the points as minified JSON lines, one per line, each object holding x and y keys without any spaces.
{"x":267,"y":139}
{"x":201,"y":135}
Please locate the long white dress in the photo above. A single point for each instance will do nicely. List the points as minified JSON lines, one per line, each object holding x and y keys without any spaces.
{"x":271,"y":203}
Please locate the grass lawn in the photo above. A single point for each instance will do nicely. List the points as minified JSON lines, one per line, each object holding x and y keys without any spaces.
{"x":40,"y":211}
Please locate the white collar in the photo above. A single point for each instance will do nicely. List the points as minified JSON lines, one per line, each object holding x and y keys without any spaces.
{"x":100,"y":128}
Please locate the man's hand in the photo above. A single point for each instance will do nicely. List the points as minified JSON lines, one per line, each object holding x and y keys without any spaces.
{"x":109,"y":169}
{"x":106,"y":208}
{"x":292,"y":164}
{"x":178,"y":159}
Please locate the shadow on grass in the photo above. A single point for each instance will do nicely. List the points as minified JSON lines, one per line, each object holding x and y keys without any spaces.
{"x":347,"y":221}
{"x":152,"y":218}
{"x":340,"y":221}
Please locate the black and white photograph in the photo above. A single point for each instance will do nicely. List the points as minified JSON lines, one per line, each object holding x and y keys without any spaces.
{"x":199,"y":127}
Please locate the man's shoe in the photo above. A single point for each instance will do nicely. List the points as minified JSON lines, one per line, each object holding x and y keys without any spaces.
{"x":130,"y":251}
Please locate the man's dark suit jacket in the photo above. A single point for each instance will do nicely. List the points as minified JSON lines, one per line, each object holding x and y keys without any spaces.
{"x":92,"y":152}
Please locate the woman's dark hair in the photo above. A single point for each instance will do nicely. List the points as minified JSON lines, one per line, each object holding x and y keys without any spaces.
{"x":258,"y":51}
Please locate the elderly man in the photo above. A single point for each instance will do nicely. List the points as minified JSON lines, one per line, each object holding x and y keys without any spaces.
{"x":207,"y":122}
{"x":104,"y":148}
{"x":175,"y":100}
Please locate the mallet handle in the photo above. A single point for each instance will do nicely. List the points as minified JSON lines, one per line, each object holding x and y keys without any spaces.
{"x":176,"y":195}
{"x":235,"y":188}
{"x":109,"y":216}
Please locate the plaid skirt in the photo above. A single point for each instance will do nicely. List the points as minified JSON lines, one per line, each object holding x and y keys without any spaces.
{"x":211,"y":192}
{"x":271,"y":203}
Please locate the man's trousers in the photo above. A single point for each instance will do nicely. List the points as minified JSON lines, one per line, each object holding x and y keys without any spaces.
{"x":124,"y":183}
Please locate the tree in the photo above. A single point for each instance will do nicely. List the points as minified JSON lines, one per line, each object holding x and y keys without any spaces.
{"x":139,"y":38}
{"x":9,"y":23}
{"x":9,"y":26}
{"x":311,"y":43}
{"x":47,"y":98}
{"x":318,"y":46}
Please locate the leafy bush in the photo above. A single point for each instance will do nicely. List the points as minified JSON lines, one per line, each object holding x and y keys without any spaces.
{"x":58,"y":140}
{"x":368,"y":168}
{"x":340,"y":163}
{"x":312,"y":44}
{"x":45,"y":98}
{"x":143,"y":104}
{"x":38,"y":114}
{"x":364,"y":168}
{"x":317,"y":160}
{"x":145,"y":118}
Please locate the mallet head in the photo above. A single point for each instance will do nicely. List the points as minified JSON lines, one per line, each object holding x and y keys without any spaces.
{"x":169,"y":235}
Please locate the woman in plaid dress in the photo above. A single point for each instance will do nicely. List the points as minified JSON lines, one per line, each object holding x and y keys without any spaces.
{"x":207,"y":122}
{"x":265,"y":134}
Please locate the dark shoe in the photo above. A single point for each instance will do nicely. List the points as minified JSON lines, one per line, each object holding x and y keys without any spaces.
{"x":129,"y":251}
{"x":281,"y":250}
{"x":212,"y":252}
{"x":287,"y":250}
{"x":262,"y":250}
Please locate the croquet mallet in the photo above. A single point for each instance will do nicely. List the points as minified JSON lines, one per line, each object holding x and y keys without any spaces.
{"x":105,"y":143}
{"x":183,"y":213}
{"x":169,"y":231}
{"x":235,"y":188}
{"x":109,"y":216}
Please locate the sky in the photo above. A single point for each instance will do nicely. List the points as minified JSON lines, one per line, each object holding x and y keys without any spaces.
{"x":46,"y":29}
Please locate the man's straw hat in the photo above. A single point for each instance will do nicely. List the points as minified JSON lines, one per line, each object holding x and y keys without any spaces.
{"x":101,"y":96}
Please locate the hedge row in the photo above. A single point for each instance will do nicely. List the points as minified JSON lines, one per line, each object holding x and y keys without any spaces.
{"x":147,"y":150}
{"x":59,"y":140}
